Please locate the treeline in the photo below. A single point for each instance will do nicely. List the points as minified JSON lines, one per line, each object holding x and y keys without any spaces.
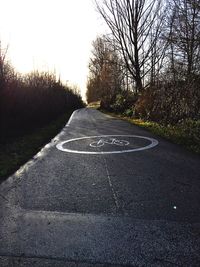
{"x":32,"y":100}
{"x":149,"y":64}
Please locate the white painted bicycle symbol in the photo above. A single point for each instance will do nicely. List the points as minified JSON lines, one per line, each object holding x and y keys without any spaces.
{"x":111,"y":141}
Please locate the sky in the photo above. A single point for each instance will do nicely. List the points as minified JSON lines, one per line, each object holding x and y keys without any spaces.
{"x":50,"y":35}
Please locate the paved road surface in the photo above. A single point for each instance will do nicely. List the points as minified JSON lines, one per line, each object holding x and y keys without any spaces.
{"x":99,"y":208}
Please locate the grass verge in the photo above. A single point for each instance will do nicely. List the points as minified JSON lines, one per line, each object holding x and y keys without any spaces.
{"x":95,"y":105}
{"x":18,"y":151}
{"x":185,"y":133}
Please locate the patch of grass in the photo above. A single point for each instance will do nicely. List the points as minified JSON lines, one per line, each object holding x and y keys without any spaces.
{"x":18,"y":151}
{"x":95,"y":105}
{"x":185,"y":133}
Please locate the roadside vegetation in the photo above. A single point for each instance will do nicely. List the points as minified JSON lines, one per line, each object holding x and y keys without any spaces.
{"x":33,"y":109}
{"x":185,"y":133}
{"x":20,"y":149}
{"x":148,"y":67}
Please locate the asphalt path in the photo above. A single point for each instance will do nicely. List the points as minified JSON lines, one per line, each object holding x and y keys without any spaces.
{"x":103,"y":193}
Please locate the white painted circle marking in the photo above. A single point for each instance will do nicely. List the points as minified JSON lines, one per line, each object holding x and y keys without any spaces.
{"x":153,"y":143}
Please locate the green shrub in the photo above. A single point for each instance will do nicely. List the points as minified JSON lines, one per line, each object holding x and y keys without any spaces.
{"x":124,"y":102}
{"x":129,"y":112}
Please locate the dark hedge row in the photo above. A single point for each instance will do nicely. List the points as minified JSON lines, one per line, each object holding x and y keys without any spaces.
{"x":32,"y":101}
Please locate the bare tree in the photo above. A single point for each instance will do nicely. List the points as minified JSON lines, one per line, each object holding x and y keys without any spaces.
{"x":105,"y":72}
{"x":131,"y":23}
{"x":185,"y":35}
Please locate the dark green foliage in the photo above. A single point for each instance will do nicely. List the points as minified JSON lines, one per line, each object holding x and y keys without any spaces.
{"x":129,"y":112}
{"x":124,"y":102}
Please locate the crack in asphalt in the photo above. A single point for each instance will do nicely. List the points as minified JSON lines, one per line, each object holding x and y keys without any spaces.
{"x":111,"y":186}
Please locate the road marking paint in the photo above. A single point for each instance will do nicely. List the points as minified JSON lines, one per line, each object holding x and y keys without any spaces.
{"x":153,"y":143}
{"x":70,"y":119}
{"x":110,"y":141}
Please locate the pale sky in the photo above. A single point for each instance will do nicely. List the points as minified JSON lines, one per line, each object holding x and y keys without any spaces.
{"x":50,"y":34}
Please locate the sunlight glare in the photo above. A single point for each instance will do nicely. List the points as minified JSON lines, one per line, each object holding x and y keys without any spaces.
{"x":54,"y":35}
